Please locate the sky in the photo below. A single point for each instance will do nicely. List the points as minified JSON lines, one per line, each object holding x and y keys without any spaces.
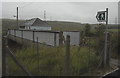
{"x":83,"y":12}
{"x":59,"y":0}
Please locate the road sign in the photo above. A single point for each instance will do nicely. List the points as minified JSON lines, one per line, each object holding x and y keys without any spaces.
{"x":101,"y":16}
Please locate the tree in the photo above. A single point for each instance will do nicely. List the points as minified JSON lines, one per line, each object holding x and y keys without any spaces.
{"x":100,"y":30}
{"x":87,"y":29}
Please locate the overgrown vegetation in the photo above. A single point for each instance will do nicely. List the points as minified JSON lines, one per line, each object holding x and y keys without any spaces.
{"x":52,"y":61}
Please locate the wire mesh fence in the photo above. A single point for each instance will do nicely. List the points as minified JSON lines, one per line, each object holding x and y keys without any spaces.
{"x":84,"y":60}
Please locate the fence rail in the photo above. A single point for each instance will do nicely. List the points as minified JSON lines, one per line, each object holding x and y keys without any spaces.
{"x":47,"y":37}
{"x":5,"y":53}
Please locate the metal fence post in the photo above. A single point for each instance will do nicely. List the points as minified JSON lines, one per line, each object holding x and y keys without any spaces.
{"x":15,"y":59}
{"x":79,"y":41}
{"x":67,"y":55}
{"x":8,"y":32}
{"x":54,"y":39}
{"x":79,"y":37}
{"x":38,"y":55}
{"x":22,"y":36}
{"x":4,"y":58}
{"x":89,"y":55}
{"x":33,"y":36}
{"x":108,"y":50}
{"x":14,"y":34}
{"x":60,"y":38}
{"x":33,"y":42}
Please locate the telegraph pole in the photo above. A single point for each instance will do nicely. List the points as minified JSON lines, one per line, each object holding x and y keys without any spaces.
{"x":106,"y":34}
{"x":44,"y":15}
{"x":17,"y":17}
{"x":50,"y":18}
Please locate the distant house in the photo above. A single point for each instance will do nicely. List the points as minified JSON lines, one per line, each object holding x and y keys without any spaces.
{"x":35,"y":24}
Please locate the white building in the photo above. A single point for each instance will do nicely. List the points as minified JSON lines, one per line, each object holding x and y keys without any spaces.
{"x":35,"y":24}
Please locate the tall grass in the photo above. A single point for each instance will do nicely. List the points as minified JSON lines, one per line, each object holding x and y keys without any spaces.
{"x":52,"y":61}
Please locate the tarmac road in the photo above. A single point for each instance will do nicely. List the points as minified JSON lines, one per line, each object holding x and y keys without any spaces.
{"x":114,"y":73}
{"x":114,"y":62}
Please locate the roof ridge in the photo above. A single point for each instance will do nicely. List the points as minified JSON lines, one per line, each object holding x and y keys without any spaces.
{"x":36,"y":22}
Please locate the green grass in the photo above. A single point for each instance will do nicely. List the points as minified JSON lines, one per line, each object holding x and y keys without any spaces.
{"x":9,"y":24}
{"x":113,"y":30}
{"x":52,"y":61}
{"x":66,"y":26}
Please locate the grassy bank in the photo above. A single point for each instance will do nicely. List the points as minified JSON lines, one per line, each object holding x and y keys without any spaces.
{"x":52,"y":61}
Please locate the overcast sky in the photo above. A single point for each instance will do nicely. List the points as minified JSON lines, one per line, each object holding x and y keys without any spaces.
{"x":84,"y":12}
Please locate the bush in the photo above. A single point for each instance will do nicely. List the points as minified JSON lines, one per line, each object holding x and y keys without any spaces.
{"x":87,"y":29}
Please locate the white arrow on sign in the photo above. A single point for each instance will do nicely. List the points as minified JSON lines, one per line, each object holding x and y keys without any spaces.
{"x":101,"y":16}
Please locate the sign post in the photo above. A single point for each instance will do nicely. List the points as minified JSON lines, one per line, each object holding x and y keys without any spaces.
{"x":102,"y":16}
{"x":106,"y":33}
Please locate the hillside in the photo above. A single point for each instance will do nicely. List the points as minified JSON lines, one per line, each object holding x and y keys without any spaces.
{"x":61,"y":25}
{"x":10,"y":24}
{"x":56,"y":25}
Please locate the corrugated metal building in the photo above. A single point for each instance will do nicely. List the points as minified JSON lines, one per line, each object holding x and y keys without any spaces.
{"x":35,"y":24}
{"x":51,"y":38}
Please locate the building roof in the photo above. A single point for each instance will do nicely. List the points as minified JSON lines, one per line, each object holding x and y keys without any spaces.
{"x":35,"y":22}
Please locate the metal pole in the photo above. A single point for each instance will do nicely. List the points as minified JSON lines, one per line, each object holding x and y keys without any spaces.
{"x":67,"y":55}
{"x":38,"y":55}
{"x":54,"y":39}
{"x":105,"y":51}
{"x":17,"y":17}
{"x":44,"y":15}
{"x":15,"y":59}
{"x":60,"y":38}
{"x":89,"y":55}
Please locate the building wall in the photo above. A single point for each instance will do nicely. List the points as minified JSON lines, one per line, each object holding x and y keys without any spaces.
{"x":43,"y":37}
{"x":18,"y":33}
{"x":40,"y":28}
{"x":74,"y":37}
{"x":46,"y":37}
{"x":28,"y":35}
